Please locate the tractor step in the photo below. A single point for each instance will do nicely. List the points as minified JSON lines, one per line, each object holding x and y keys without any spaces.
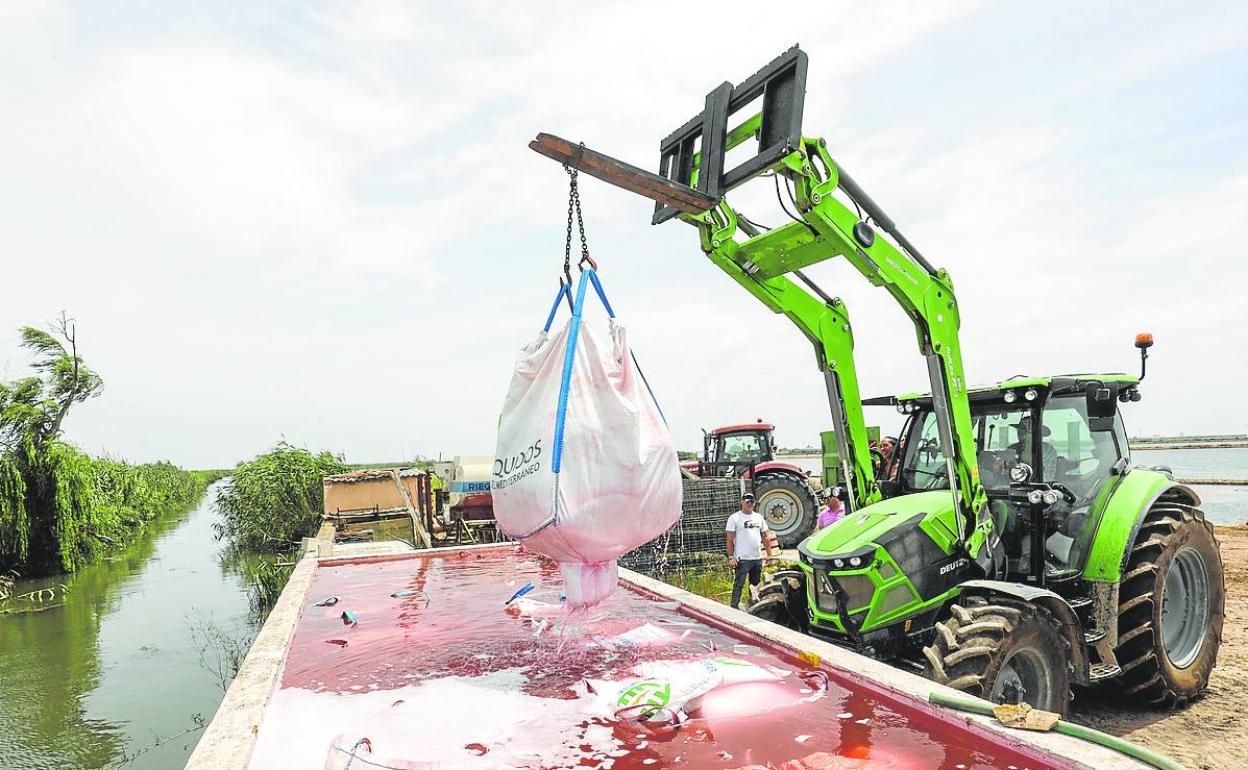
{"x":1058,"y":576}
{"x":1103,"y":671}
{"x":1093,"y":636}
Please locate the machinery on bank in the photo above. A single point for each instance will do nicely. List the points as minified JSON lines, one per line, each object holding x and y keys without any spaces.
{"x":787,"y":495}
{"x":1018,"y":551}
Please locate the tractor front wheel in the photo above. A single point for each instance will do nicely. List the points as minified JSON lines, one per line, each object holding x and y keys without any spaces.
{"x":788,"y":506}
{"x":782,"y":600}
{"x":993,"y":647}
{"x":1170,"y":607}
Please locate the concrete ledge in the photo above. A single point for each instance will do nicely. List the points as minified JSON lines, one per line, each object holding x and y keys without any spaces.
{"x":875,"y":675}
{"x":350,"y":551}
{"x":227,"y":742}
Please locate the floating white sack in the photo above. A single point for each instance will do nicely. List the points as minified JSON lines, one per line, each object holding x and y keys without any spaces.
{"x":605,"y":483}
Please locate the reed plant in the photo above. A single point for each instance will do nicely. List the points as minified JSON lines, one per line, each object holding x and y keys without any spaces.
{"x":58,"y":505}
{"x":271,"y":502}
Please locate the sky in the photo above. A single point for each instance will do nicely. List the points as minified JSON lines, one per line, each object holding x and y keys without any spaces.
{"x":321,"y":223}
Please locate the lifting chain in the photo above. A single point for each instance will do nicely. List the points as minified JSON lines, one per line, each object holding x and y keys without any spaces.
{"x":574,"y":207}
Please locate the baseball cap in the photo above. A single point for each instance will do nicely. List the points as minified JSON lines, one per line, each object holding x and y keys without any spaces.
{"x":748,"y":496}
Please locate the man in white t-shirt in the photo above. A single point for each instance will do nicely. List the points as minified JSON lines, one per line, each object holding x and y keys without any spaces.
{"x":746,"y":544}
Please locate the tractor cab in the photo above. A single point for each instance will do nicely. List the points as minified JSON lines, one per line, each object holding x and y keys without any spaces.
{"x":1048,"y":450}
{"x":734,"y":450}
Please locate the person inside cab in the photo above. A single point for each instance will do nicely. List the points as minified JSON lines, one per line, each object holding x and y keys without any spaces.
{"x":995,"y":463}
{"x":1021,"y":449}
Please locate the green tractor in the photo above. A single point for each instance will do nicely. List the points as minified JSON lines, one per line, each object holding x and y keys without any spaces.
{"x":1016,"y":551}
{"x":1110,"y":571}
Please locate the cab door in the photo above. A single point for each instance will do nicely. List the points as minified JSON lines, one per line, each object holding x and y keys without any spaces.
{"x":1002,"y":437}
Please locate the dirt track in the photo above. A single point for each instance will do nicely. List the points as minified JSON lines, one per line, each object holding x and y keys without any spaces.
{"x":1213,"y":733}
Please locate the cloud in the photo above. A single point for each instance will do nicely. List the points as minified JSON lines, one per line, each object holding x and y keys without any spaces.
{"x":328,"y":226}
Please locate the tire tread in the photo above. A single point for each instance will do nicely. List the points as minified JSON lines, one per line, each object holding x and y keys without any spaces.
{"x":1139,"y":641}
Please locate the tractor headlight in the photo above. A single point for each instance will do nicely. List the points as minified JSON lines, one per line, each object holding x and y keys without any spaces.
{"x":1010,"y":396}
{"x":1031,"y":394}
{"x":855,"y":561}
{"x":1035,"y":497}
{"x":901,"y":408}
{"x":1020,"y":473}
{"x":1051,"y":496}
{"x":838,"y":563}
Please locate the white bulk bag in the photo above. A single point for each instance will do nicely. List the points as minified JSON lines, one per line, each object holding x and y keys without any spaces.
{"x":605,"y":482}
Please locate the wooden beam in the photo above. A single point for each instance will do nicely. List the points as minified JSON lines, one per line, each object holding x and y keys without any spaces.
{"x":417,"y":526}
{"x":657,"y":188}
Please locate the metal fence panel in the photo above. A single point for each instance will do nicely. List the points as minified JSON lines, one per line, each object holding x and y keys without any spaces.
{"x":697,"y":539}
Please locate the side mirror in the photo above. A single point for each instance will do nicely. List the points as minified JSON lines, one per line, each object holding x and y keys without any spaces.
{"x":1101,"y":400}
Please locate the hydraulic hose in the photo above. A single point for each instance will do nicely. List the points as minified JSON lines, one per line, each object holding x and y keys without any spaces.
{"x":1135,"y":751}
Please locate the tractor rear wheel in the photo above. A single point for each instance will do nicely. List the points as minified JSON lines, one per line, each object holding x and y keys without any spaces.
{"x":1173,"y":582}
{"x":989,"y":647}
{"x":788,"y":506}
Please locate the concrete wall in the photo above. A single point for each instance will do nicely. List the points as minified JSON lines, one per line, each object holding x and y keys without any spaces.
{"x":349,"y":496}
{"x":380,"y":492}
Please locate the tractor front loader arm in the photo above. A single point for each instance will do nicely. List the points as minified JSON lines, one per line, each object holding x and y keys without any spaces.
{"x":829,"y":229}
{"x":825,"y":322}
{"x":692,"y":184}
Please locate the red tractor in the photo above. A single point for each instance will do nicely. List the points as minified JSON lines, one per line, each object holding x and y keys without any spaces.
{"x":786,"y":493}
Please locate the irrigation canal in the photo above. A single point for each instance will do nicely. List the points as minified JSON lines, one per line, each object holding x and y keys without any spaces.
{"x":112,"y":667}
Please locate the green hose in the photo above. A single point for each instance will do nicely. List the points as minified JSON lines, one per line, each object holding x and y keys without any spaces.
{"x":978,"y":706}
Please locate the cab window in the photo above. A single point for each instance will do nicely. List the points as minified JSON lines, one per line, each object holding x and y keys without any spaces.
{"x":1080,"y":458}
{"x":741,"y":448}
{"x":1002,"y":440}
{"x":924,"y":464}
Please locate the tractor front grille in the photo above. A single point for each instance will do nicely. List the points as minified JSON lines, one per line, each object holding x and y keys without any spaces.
{"x":858,"y":591}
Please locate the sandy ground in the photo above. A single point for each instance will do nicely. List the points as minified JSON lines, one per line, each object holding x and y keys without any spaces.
{"x":1212,"y":734}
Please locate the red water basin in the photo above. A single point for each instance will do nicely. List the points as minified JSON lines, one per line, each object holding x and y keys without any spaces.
{"x":417,"y":664}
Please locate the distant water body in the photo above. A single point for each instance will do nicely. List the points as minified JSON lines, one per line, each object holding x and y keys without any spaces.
{"x":1222,"y":504}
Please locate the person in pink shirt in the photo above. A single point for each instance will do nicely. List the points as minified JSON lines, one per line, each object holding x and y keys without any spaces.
{"x":832,"y":511}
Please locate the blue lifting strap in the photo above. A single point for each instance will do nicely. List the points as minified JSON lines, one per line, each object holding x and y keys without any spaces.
{"x":564,"y":290}
{"x":569,"y":359}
